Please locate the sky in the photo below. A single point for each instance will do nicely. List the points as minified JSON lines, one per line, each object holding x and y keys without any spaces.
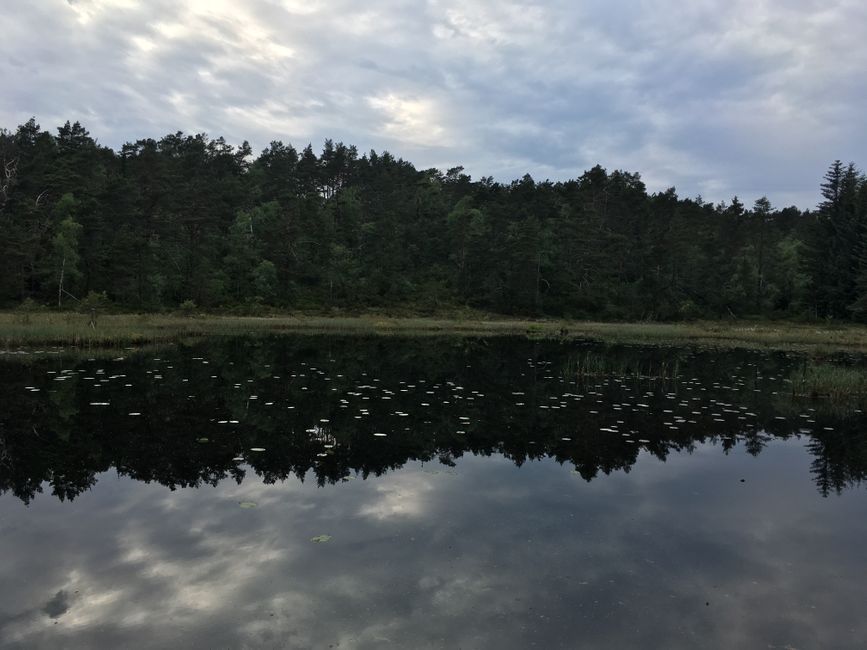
{"x":714,"y":97}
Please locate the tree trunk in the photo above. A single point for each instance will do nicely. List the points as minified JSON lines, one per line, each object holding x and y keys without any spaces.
{"x":60,"y":283}
{"x":538,"y":280}
{"x":760,"y":280}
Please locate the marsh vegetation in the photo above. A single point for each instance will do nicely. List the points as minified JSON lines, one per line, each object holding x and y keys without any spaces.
{"x":41,"y":328}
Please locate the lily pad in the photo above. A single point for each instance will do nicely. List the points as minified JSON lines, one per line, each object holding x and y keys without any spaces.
{"x":320,"y":539}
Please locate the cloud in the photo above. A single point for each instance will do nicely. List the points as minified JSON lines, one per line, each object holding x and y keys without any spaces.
{"x":719,"y":98}
{"x":409,"y":120}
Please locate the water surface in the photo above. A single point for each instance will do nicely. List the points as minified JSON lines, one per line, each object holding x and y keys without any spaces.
{"x":427,"y":493}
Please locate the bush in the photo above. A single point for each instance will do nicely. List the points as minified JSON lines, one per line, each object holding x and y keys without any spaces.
{"x":252,"y":306}
{"x":188,"y":307}
{"x":27,"y":307}
{"x":688,"y":310}
{"x":94,"y":301}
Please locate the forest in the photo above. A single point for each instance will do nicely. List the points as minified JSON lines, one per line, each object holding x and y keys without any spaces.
{"x":189,"y":222}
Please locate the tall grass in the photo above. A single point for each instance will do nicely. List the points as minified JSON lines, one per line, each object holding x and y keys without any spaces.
{"x":73,"y":329}
{"x":589,"y":365}
{"x":830,"y":381}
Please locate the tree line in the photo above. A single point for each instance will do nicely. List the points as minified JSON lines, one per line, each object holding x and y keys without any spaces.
{"x":191,"y":220}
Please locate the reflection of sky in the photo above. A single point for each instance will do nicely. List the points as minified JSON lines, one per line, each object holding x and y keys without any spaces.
{"x":679,"y":554}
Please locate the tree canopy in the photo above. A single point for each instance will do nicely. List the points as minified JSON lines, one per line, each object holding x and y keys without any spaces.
{"x":191,"y":218}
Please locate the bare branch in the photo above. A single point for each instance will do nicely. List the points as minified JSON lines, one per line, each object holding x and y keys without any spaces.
{"x":7,"y":179}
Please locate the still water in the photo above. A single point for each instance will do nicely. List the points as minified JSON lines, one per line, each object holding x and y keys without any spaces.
{"x":307,"y":492}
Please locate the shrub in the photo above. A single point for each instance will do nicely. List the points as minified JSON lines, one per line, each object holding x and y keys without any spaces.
{"x":94,"y":301}
{"x":27,"y":307}
{"x":188,"y":307}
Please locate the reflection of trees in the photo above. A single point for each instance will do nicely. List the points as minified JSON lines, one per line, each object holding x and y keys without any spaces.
{"x":56,"y":438}
{"x":840,"y":459}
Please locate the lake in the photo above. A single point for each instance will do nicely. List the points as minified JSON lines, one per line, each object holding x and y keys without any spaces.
{"x":369,"y":492}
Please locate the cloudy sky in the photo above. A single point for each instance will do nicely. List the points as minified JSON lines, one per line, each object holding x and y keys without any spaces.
{"x":715,"y":97}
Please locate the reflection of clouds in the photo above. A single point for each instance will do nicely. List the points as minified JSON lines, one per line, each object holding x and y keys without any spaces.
{"x":151,"y":579}
{"x":399,"y":495}
{"x":84,"y":607}
{"x":492,"y":556}
{"x":458,"y":595}
{"x":289,"y":617}
{"x":58,"y":605}
{"x":90,"y":607}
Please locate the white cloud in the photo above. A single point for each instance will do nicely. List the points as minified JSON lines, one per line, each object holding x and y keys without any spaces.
{"x":409,"y":120}
{"x":715,"y":97}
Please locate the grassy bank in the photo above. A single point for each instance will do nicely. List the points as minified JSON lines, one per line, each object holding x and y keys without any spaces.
{"x":72,"y":329}
{"x":824,"y":380}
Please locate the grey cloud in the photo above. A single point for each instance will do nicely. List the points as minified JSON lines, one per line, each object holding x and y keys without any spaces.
{"x":718,"y":98}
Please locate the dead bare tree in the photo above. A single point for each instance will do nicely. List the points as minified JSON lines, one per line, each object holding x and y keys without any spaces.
{"x":8,"y":174}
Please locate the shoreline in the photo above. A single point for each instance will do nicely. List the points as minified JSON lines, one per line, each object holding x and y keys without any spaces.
{"x":27,"y":330}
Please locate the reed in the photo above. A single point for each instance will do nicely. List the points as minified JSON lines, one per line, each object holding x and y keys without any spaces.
{"x":590,"y":365}
{"x":826,"y":380}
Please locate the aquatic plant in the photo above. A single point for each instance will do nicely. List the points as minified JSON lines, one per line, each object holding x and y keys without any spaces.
{"x":828,"y":380}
